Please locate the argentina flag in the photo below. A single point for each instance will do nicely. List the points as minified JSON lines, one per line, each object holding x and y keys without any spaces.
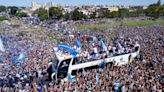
{"x":78,"y":44}
{"x":102,"y":46}
{"x":67,"y":48}
{"x":1,"y":46}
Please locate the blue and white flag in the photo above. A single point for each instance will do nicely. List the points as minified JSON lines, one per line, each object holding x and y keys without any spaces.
{"x":97,"y":78}
{"x":67,"y":48}
{"x":69,"y":78}
{"x":103,"y":46}
{"x":78,"y":43}
{"x":116,"y":86}
{"x":21,"y":57}
{"x":102,"y":64}
{"x":1,"y":46}
{"x":55,"y":49}
{"x":13,"y":58}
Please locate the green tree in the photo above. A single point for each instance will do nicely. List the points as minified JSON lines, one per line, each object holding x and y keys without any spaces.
{"x":123,"y":13}
{"x":13,"y":10}
{"x":103,"y":13}
{"x":93,"y":15}
{"x":42,"y":13}
{"x":55,"y":12}
{"x":21,"y":14}
{"x":161,"y":10}
{"x":159,"y":2}
{"x":137,"y":11}
{"x":2,"y":18}
{"x":66,"y":16}
{"x":77,"y":15}
{"x":2,"y":8}
{"x":114,"y":14}
{"x":154,"y":10}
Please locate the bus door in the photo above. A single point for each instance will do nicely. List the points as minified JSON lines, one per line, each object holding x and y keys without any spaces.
{"x":75,"y":61}
{"x":63,"y":69}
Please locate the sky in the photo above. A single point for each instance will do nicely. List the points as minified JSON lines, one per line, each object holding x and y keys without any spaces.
{"x":79,"y":2}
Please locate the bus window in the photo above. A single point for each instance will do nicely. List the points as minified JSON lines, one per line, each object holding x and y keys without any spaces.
{"x":63,"y":69}
{"x":136,"y":48}
{"x":75,"y":61}
{"x":74,"y":72}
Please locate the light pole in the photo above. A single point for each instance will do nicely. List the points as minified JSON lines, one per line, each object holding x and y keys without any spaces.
{"x":48,"y":12}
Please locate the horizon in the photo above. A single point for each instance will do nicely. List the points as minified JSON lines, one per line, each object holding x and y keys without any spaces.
{"x":27,"y":3}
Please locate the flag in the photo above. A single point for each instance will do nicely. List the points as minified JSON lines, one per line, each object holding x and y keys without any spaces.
{"x":69,"y":77}
{"x":1,"y":46}
{"x":102,"y":64}
{"x":67,"y":48}
{"x":97,"y":78}
{"x":116,"y":86}
{"x":21,"y":57}
{"x":78,"y":43}
{"x":13,"y":57}
{"x":55,"y":49}
{"x":103,"y":46}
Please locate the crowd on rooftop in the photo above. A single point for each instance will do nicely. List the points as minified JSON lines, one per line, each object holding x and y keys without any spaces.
{"x":145,"y":73}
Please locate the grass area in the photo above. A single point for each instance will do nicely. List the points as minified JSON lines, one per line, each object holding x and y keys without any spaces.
{"x":97,"y":26}
{"x":102,"y":26}
{"x":2,"y":18}
{"x":142,"y":22}
{"x":16,"y":21}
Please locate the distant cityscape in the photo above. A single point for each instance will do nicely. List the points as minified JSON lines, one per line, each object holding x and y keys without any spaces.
{"x":50,"y":10}
{"x":85,"y":9}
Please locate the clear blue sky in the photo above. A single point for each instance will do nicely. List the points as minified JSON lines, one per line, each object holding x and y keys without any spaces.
{"x":79,"y":2}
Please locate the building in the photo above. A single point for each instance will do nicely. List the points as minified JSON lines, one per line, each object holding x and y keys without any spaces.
{"x":35,"y":6}
{"x":87,"y":10}
{"x":68,"y":8}
{"x":113,"y":8}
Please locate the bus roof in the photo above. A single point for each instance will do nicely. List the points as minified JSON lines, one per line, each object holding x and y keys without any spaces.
{"x":63,"y":56}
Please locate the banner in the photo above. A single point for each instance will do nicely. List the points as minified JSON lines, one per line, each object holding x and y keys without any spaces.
{"x":67,"y":48}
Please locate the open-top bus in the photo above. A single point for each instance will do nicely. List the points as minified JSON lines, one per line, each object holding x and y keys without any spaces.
{"x":66,"y":63}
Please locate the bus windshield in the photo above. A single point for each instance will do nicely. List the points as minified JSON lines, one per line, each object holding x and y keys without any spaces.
{"x":55,"y":64}
{"x":63,"y":68}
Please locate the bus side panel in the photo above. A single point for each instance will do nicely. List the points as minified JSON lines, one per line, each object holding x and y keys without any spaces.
{"x":120,"y":60}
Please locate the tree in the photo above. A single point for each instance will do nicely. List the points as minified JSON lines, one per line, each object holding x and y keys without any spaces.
{"x":77,"y":15}
{"x":159,"y":2}
{"x":103,"y":13}
{"x":21,"y":14}
{"x":137,"y":11}
{"x":2,"y":18}
{"x":161,"y":10}
{"x":123,"y":13}
{"x":13,"y":10}
{"x":55,"y":12}
{"x":41,"y":13}
{"x":66,"y":16}
{"x":93,"y":15}
{"x":2,"y":8}
{"x":154,"y":10}
{"x":114,"y":14}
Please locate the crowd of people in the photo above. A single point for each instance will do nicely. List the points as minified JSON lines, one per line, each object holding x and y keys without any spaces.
{"x":29,"y":74}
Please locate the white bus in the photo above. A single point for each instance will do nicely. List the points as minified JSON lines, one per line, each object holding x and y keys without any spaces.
{"x":66,"y":64}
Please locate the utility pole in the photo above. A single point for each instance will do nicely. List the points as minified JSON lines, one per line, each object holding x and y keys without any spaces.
{"x":48,"y":13}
